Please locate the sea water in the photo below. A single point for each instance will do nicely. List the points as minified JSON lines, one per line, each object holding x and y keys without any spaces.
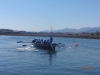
{"x":68,"y":60}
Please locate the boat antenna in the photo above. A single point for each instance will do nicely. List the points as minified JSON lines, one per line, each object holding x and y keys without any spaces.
{"x":51,"y":29}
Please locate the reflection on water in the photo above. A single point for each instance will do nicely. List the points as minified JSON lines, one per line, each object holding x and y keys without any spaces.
{"x":50,"y":59}
{"x":48,"y":55}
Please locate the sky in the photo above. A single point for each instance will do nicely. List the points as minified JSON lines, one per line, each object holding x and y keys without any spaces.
{"x":39,"y":15}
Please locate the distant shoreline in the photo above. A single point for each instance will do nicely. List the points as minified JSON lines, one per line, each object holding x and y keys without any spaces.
{"x":66,"y":35}
{"x":92,"y":35}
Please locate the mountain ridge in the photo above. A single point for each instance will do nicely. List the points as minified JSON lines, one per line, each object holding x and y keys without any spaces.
{"x":83,"y":29}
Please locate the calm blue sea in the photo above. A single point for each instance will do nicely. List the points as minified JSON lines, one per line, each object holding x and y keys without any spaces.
{"x":69,"y":60}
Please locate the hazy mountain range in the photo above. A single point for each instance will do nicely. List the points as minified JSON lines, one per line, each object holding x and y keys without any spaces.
{"x":84,"y":29}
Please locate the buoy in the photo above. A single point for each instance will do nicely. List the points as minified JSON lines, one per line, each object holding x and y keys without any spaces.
{"x":76,"y":44}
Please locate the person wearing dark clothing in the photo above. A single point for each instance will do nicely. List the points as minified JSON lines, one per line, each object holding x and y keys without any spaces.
{"x":45,"y":42}
{"x":48,"y":42}
{"x":51,"y":39}
{"x":41,"y":40}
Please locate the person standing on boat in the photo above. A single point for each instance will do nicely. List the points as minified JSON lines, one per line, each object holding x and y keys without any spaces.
{"x":51,"y":39}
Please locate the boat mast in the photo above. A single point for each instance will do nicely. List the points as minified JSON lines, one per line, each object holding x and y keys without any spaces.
{"x":51,"y":29}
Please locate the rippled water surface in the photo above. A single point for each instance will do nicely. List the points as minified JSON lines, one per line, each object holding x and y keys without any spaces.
{"x":69,"y":60}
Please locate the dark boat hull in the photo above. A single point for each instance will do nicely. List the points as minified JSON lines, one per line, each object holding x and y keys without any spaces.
{"x":50,"y":47}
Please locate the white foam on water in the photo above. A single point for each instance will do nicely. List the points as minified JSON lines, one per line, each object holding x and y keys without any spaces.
{"x":69,"y":47}
{"x":27,"y":49}
{"x":62,"y":47}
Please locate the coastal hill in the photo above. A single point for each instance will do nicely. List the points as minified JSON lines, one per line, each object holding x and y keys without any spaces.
{"x":86,"y":32}
{"x":84,"y":29}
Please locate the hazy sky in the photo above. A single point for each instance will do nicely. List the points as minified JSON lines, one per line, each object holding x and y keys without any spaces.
{"x":38,"y":15}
